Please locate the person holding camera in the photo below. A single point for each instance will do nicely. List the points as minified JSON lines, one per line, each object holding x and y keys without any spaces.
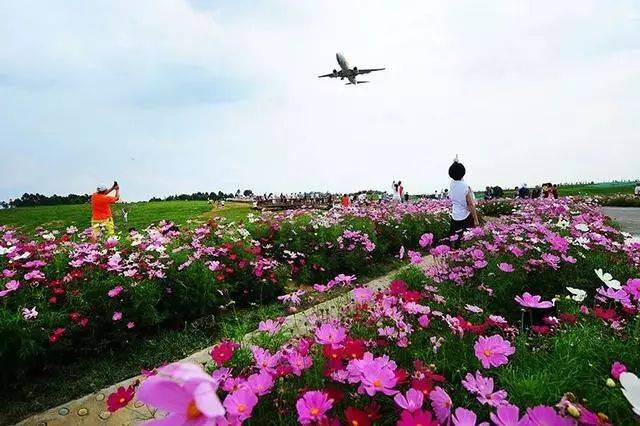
{"x":101,"y":218}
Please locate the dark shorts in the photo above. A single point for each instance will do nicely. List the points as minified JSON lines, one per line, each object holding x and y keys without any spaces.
{"x":458,"y":227}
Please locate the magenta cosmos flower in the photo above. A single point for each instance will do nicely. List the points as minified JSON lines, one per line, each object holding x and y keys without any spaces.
{"x":240,"y":403}
{"x":493,"y":351}
{"x":378,"y":377}
{"x":617,"y":368}
{"x":506,"y":415}
{"x":426,"y":240}
{"x":506,"y":267}
{"x":363,"y":294}
{"x":419,"y":417}
{"x":441,"y":403}
{"x":528,"y":300}
{"x":545,"y":415}
{"x":464,"y":417}
{"x":411,"y":402}
{"x":312,"y":407}
{"x":185,"y":392}
{"x":329,"y":334}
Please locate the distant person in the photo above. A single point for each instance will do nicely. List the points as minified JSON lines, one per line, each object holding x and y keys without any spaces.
{"x":517,"y":192}
{"x":554,"y":191}
{"x":400,"y":191}
{"x":406,"y":197}
{"x":536,"y":192}
{"x":101,"y":218}
{"x":524,"y":192}
{"x":488,"y":193}
{"x":636,"y":191}
{"x":445,"y":194}
{"x":345,"y":201}
{"x":463,"y":204}
{"x":125,"y":215}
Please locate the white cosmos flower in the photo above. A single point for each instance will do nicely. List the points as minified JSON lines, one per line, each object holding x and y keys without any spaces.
{"x":583,"y":227}
{"x":578,"y":294}
{"x":631,"y":390}
{"x":606,"y":278}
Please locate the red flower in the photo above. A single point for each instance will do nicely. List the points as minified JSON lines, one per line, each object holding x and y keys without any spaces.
{"x":83,"y":322}
{"x":223,"y":352}
{"x":356,"y":417}
{"x":605,"y":314}
{"x":354,"y":349}
{"x":569,"y":318}
{"x":397,"y":287}
{"x":334,"y":394}
{"x":120,"y":398}
{"x":401,"y":375}
{"x":373,"y":410}
{"x":411,"y":296}
{"x":423,"y":385}
{"x":74,"y":316}
{"x":53,"y":299}
{"x":541,"y":329}
{"x":330,"y":352}
{"x":56,"y":334}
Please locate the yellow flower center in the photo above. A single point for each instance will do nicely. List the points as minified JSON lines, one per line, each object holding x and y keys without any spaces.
{"x":487,"y":352}
{"x":192,"y":411}
{"x":314,"y":411}
{"x":242,"y":408}
{"x":377,"y":383}
{"x":121,"y":400}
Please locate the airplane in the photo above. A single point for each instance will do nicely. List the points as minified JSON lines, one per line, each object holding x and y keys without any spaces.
{"x":348,"y":73}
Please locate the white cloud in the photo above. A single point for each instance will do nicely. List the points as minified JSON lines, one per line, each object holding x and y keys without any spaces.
{"x":172,"y":96}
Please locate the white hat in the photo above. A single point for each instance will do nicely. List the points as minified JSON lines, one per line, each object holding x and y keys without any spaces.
{"x":101,"y":188}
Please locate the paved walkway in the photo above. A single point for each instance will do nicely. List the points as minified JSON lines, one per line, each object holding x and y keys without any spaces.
{"x":627,"y":217}
{"x":92,"y":409}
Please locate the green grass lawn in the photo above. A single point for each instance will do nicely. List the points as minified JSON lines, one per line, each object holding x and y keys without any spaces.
{"x":600,"y":188}
{"x":27,"y":219}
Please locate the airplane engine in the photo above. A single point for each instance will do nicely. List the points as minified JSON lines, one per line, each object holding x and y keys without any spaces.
{"x":335,"y":73}
{"x":355,"y":70}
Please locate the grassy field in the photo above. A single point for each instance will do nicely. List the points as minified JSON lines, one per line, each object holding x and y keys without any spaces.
{"x":601,"y":188}
{"x":27,"y":219}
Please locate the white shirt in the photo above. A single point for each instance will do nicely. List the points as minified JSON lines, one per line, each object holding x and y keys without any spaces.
{"x":637,"y":190}
{"x":458,"y":191}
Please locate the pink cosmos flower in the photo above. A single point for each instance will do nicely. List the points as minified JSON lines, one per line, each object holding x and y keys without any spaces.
{"x":426,"y":240}
{"x":363,"y":295}
{"x":264,"y":360}
{"x":632,"y":287}
{"x":185,"y":392}
{"x":528,"y":300}
{"x":28,"y":314}
{"x":441,"y":404}
{"x":377,"y":377}
{"x":117,"y":316}
{"x":545,"y":415}
{"x":240,"y":403}
{"x":12,"y":285}
{"x":506,"y":415}
{"x":464,"y":417}
{"x":440,"y":250}
{"x":269,"y":326}
{"x":414,"y":257}
{"x":424,"y":321}
{"x":506,"y":267}
{"x":493,"y":351}
{"x":411,"y":402}
{"x":260,"y":383}
{"x":329,"y":334}
{"x":312,"y":407}
{"x":299,"y":362}
{"x":131,"y":325}
{"x":114,"y":292}
{"x":617,"y":368}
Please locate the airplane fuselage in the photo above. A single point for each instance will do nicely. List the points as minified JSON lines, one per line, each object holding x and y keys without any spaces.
{"x":346,"y":70}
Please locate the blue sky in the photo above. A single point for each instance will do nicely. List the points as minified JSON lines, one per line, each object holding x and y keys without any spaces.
{"x":174,"y":96}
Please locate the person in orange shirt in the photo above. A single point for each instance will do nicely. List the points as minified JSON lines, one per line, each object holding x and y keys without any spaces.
{"x":345,"y":201}
{"x":101,"y":218}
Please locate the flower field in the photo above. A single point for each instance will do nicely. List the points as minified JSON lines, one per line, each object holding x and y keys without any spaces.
{"x":534,"y":321}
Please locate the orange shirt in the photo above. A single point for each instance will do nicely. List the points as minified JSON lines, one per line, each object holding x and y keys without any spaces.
{"x":345,"y":201}
{"x":100,"y":209}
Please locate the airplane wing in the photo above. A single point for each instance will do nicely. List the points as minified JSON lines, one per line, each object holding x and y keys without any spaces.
{"x":328,"y":75}
{"x":366,"y":71}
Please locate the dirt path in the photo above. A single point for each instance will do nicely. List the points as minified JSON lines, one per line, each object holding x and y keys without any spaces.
{"x":627,"y":217}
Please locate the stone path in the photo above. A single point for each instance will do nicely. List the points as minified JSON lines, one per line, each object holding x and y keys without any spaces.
{"x":627,"y":217}
{"x":92,"y":409}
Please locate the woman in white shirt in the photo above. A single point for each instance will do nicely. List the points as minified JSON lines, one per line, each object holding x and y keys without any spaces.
{"x":463,"y":204}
